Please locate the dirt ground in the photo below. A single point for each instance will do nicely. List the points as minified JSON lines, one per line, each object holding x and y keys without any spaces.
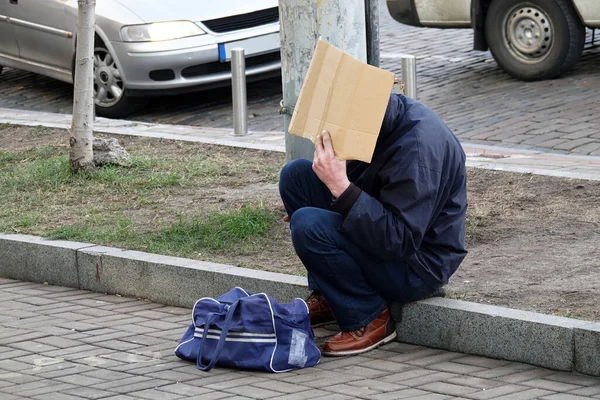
{"x":533,"y":240}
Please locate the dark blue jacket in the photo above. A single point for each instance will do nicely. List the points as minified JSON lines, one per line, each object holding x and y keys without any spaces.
{"x":412,"y":201}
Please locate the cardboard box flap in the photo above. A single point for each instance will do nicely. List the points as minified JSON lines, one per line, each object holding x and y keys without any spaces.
{"x":346,"y":97}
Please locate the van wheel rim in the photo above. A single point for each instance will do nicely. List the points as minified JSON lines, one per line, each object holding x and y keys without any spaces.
{"x":108,"y":84}
{"x":529,"y":34}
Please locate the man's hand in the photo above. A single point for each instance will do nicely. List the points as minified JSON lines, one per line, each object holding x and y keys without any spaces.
{"x":330,"y":170}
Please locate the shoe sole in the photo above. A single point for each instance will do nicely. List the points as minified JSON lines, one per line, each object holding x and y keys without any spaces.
{"x":383,"y":341}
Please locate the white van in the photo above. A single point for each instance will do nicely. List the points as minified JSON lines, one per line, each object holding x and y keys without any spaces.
{"x":530,"y":39}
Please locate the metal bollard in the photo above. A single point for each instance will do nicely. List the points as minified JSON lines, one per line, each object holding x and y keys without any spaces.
{"x":409,"y":75}
{"x":238,"y":86}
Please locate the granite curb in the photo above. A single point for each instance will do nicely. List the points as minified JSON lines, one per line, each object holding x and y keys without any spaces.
{"x":543,"y":340}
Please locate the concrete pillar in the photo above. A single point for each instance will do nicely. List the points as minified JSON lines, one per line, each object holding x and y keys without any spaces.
{"x":339,"y":22}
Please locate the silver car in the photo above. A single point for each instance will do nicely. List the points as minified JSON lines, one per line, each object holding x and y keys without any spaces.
{"x":143,"y":47}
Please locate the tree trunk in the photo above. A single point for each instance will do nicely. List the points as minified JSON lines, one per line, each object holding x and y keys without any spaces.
{"x":82,"y":155}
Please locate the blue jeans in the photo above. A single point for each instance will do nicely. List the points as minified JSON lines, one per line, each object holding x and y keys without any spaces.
{"x":356,"y":284}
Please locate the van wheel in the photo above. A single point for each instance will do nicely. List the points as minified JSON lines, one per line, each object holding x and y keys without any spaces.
{"x":110,"y":93}
{"x":534,"y":39}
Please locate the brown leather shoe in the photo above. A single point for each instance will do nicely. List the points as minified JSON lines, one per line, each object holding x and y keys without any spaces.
{"x":319,"y":311}
{"x":377,"y":333}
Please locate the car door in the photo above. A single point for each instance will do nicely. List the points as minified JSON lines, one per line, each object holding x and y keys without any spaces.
{"x":8,"y":43}
{"x":455,"y":13}
{"x":45,"y":32}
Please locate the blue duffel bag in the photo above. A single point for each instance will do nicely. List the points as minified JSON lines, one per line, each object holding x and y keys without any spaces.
{"x":249,"y":331}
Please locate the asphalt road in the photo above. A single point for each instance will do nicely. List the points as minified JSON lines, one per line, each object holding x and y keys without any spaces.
{"x":474,"y":96}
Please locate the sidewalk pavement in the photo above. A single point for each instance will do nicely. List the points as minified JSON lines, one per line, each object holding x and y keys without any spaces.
{"x":479,"y":156}
{"x":59,"y":343}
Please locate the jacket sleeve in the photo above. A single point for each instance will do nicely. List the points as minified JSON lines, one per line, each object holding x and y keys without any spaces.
{"x":392,"y":227}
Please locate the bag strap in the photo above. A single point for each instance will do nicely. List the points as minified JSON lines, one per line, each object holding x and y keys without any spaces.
{"x":209,"y":321}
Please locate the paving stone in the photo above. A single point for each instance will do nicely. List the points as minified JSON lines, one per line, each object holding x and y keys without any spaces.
{"x":89,"y":393}
{"x":575,"y":379}
{"x":483,"y":362}
{"x":564,"y":396}
{"x":587,"y":391}
{"x":234,"y":383}
{"x":210,"y":396}
{"x":10,"y":365}
{"x":120,"y":397}
{"x":6,"y":396}
{"x":281,"y":387}
{"x":117,"y":345}
{"x":435,"y":359}
{"x":56,"y":396}
{"x":120,"y":383}
{"x":362,"y":372}
{"x":253,"y":392}
{"x":432,"y":396}
{"x":22,"y":338}
{"x":377,"y":385}
{"x":526,"y":375}
{"x":334,"y":362}
{"x":352,"y":390}
{"x":387,"y":366}
{"x":54,"y":387}
{"x":456,"y":368}
{"x":155,"y":394}
{"x":12,"y":353}
{"x":152,"y":383}
{"x":415,"y":355}
{"x":239,"y":398}
{"x":39,"y":383}
{"x":497,"y":392}
{"x":161,"y":365}
{"x":108,"y":375}
{"x":551,"y":385}
{"x":17,"y":377}
{"x":435,"y":377}
{"x":59,"y":342}
{"x":509,"y":369}
{"x":478,"y":383}
{"x":308,"y":394}
{"x":525,"y":395}
{"x":34,"y":347}
{"x":183,"y":389}
{"x":400,"y":394}
{"x":573,"y":144}
{"x":447,"y":388}
{"x":173,"y":376}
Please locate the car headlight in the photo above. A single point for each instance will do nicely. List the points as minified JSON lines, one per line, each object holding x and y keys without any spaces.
{"x":160,"y":31}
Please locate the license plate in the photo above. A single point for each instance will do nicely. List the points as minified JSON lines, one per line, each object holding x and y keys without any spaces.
{"x":251,"y":46}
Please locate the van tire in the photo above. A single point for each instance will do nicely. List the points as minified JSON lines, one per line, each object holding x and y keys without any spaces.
{"x":534,"y":39}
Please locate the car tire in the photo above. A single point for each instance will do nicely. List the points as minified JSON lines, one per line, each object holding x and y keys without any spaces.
{"x":534,"y":39}
{"x":110,"y":94}
{"x":1,"y":67}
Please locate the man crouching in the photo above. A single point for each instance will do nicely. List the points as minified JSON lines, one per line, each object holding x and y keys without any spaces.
{"x":368,"y":234}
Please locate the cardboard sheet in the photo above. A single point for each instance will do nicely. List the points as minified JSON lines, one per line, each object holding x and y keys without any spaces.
{"x":346,"y":97}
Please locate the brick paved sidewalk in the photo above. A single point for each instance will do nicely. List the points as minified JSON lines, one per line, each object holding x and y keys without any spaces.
{"x":64,"y":344}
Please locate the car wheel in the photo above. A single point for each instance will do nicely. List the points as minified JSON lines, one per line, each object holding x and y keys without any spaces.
{"x":534,"y":39}
{"x":110,"y":93}
{"x":1,"y":67}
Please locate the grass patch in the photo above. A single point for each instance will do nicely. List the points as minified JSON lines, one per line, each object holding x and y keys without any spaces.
{"x":181,"y":199}
{"x":219,"y":231}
